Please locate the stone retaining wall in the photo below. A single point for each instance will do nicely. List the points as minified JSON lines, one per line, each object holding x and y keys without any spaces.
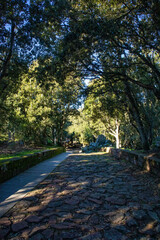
{"x":146,"y":162}
{"x":14,"y":166}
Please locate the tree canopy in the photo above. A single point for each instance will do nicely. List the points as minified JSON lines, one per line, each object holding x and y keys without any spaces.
{"x":50,"y":47}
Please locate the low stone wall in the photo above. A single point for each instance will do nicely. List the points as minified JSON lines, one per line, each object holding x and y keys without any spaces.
{"x":146,"y":162}
{"x":14,"y":166}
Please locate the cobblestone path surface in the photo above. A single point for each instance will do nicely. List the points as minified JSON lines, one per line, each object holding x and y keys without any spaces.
{"x":88,"y":196}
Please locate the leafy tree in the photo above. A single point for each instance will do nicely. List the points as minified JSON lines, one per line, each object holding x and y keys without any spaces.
{"x":37,"y":111}
{"x":14,"y":40}
{"x":81,"y":128}
{"x":116,"y":42}
{"x":104,"y":110}
{"x":110,"y":40}
{"x":117,"y":106}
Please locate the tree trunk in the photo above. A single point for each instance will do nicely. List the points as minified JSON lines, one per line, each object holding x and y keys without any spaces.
{"x":143,"y":136}
{"x":54,"y":135}
{"x":60,"y":135}
{"x":136,"y":115}
{"x":117,"y":134}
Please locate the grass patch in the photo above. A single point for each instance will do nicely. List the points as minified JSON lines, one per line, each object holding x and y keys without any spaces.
{"x":24,"y":160}
{"x":23,"y":153}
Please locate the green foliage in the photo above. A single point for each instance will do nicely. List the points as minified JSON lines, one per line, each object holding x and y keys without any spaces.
{"x":19,"y":154}
{"x":80,"y":128}
{"x":115,"y":43}
{"x":36,"y":109}
{"x":110,"y":114}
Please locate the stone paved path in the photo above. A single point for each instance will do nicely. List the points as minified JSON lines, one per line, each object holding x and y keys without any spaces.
{"x":88,"y":196}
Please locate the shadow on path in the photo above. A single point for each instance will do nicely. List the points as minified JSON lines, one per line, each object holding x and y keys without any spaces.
{"x":88,"y":196}
{"x":17,"y":187}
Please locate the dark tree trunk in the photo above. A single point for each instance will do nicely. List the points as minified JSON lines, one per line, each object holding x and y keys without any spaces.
{"x":136,"y":116}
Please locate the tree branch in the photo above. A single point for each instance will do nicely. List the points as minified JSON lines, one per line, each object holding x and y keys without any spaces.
{"x":5,"y":64}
